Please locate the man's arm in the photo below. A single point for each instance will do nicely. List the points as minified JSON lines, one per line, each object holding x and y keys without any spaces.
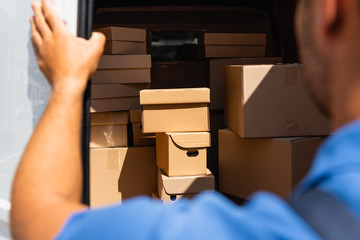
{"x":48,"y":183}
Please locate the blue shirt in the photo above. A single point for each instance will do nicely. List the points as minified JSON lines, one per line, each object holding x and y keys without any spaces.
{"x":336,"y":169}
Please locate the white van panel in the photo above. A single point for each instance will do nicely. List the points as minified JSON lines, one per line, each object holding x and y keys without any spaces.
{"x":23,"y":89}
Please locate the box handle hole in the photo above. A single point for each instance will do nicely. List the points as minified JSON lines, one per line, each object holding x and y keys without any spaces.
{"x":173,"y":198}
{"x":193,"y":153}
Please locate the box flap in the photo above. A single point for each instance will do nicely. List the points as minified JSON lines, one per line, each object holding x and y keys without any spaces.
{"x":123,"y":34}
{"x":187,"y":184}
{"x":175,"y":96}
{"x":125,"y":62}
{"x":191,"y":140}
{"x":110,"y":118}
{"x":135,"y":115}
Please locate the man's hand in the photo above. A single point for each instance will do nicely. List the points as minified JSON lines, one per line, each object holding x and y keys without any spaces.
{"x":66,"y":60}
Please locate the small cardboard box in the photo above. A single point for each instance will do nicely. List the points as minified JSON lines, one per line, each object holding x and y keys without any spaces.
{"x":271,"y":101}
{"x":114,"y":104}
{"x":235,"y":39}
{"x":171,"y":189}
{"x":121,"y":173}
{"x":182,"y":154}
{"x":120,"y":40}
{"x":175,"y":110}
{"x":272,"y":164}
{"x":117,"y":90}
{"x":140,"y":138}
{"x":234,"y":51}
{"x":109,"y":129}
{"x":217,"y":76}
{"x":123,"y":69}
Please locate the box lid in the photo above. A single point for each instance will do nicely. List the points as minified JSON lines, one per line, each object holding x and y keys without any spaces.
{"x":187,"y":184}
{"x":135,"y":115}
{"x":123,"y":34}
{"x":175,"y":96}
{"x":235,"y":39}
{"x":191,"y":140}
{"x":109,"y":118}
{"x":125,"y":62}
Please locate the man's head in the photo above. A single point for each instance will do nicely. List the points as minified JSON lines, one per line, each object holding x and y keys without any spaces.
{"x":328,"y":34}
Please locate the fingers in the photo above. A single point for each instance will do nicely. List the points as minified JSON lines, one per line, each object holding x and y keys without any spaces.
{"x":97,"y":42}
{"x":51,"y":16}
{"x":37,"y":40}
{"x":40,"y":21}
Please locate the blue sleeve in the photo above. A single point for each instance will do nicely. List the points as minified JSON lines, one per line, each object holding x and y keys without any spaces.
{"x":209,"y":216}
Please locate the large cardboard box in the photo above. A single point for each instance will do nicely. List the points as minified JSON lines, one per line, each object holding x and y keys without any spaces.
{"x":270,"y":101}
{"x":140,"y":138}
{"x":114,"y":104}
{"x":117,"y":90}
{"x":273,"y":164}
{"x":171,"y":189}
{"x":217,"y":76}
{"x":109,"y":129}
{"x":121,"y":40}
{"x":123,"y":69}
{"x":121,"y":173}
{"x":235,"y":39}
{"x":175,"y":110}
{"x":182,"y":154}
{"x":234,"y":51}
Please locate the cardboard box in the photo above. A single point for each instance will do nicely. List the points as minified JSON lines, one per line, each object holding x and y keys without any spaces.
{"x":123,"y":69}
{"x":175,"y":110}
{"x":171,"y":189}
{"x":217,"y":76}
{"x":115,"y":174}
{"x":235,"y":39}
{"x":140,"y":138}
{"x":182,"y":154}
{"x":275,"y":165}
{"x":234,"y":51}
{"x":109,"y":130}
{"x":117,"y":90}
{"x":121,"y":40}
{"x":271,"y":101}
{"x":114,"y":104}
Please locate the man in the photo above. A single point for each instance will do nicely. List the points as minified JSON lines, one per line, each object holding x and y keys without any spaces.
{"x":47,"y":186}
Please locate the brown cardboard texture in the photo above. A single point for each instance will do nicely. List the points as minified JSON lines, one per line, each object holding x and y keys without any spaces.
{"x":234,"y":51}
{"x":140,"y":138}
{"x":121,"y":47}
{"x":121,"y":173}
{"x":135,"y":115}
{"x":171,"y":189}
{"x":217,"y":76}
{"x":123,"y":34}
{"x":182,"y":154}
{"x":271,"y":101}
{"x":249,"y":39}
{"x":114,"y":104}
{"x":123,"y":69}
{"x":272,"y":164}
{"x":175,"y":110}
{"x":109,"y":130}
{"x":117,"y":90}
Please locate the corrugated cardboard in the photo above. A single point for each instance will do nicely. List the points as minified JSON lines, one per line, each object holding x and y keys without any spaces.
{"x":217,"y":76}
{"x":182,"y":154}
{"x":109,"y":130}
{"x":117,"y":90}
{"x":171,"y":189}
{"x":249,"y":39}
{"x":121,"y":40}
{"x":275,"y":165}
{"x":123,"y":69}
{"x":140,"y":138}
{"x":114,"y":104}
{"x":270,"y":101}
{"x":175,"y":110}
{"x":234,"y":51}
{"x":106,"y":76}
{"x":121,"y":173}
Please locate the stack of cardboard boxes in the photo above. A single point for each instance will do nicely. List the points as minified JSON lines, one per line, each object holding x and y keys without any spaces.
{"x":116,"y":171}
{"x":274,"y":130}
{"x":180,"y":119}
